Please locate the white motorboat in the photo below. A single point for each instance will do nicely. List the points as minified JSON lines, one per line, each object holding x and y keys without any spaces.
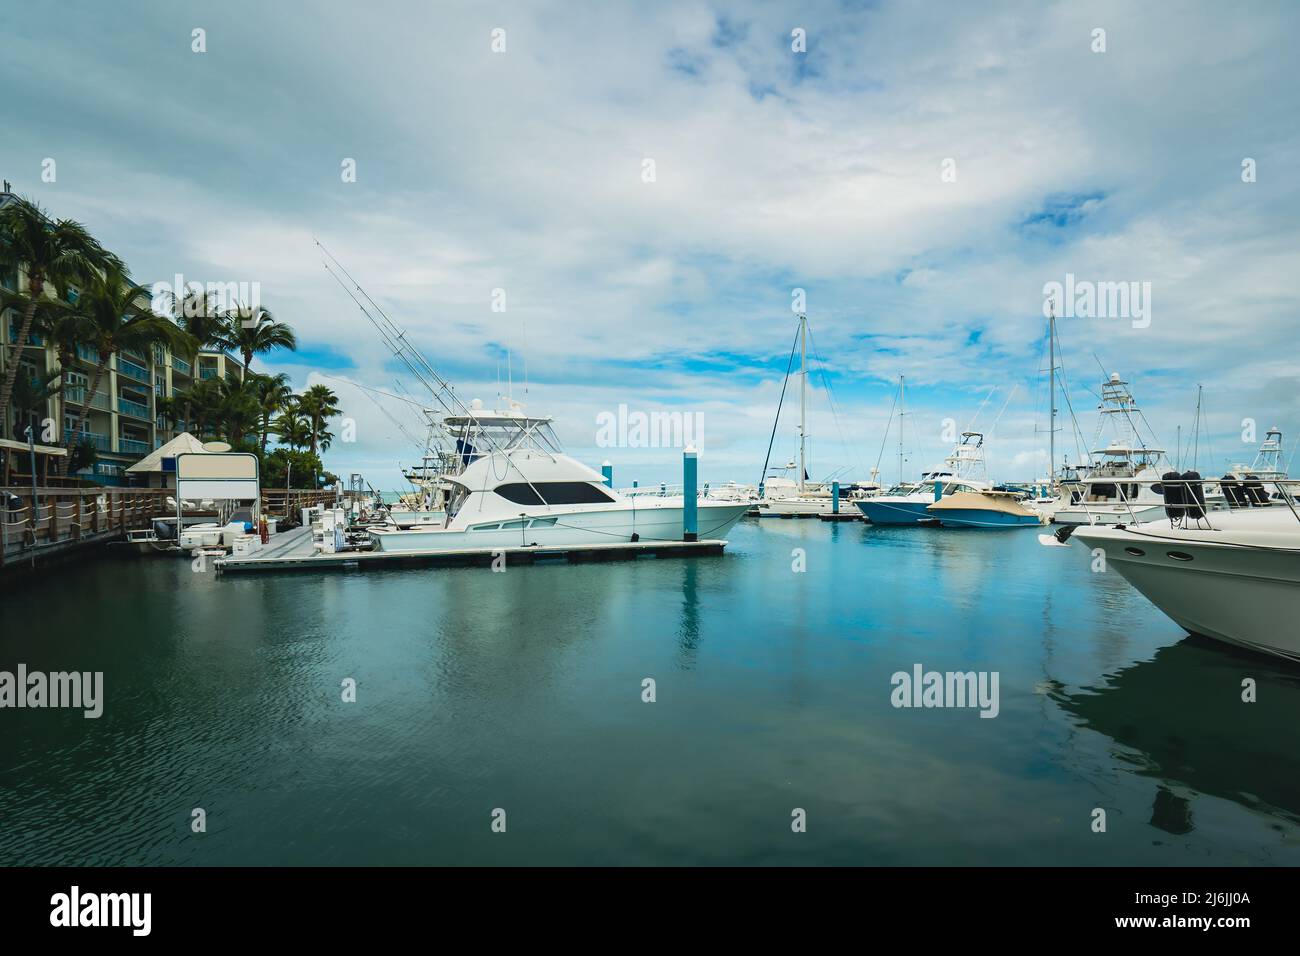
{"x":783,"y":498}
{"x":210,"y":535}
{"x":731,"y":491}
{"x":1120,"y":486}
{"x":1232,"y":575}
{"x":907,"y":503}
{"x":517,"y":489}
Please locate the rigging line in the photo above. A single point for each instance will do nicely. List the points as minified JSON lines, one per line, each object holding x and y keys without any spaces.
{"x":889,"y":421}
{"x":789,"y":365}
{"x":970,"y":427}
{"x":830,"y":399}
{"x":1065,"y":391}
{"x":400,"y":427}
{"x":369,"y":388}
{"x":396,"y":340}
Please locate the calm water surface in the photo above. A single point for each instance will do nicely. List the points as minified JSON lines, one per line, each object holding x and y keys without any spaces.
{"x":522,"y":690}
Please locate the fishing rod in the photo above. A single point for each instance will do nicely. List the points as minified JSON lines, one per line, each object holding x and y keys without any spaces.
{"x":394,"y":336}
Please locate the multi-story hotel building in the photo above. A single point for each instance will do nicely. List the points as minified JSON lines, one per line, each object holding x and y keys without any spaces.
{"x":123,"y":421}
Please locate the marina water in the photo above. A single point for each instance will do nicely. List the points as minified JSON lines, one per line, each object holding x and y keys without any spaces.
{"x":523,"y":691}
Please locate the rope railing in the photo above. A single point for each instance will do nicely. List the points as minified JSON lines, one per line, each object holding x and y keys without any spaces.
{"x":62,"y":515}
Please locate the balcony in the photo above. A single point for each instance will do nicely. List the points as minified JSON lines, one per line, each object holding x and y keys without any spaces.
{"x":131,"y":370}
{"x":87,"y":354}
{"x":134,"y":409}
{"x":130,"y":446}
{"x":207,"y":371}
{"x":32,"y":337}
{"x":182,"y":366}
{"x":77,"y":395}
{"x":101,"y":442}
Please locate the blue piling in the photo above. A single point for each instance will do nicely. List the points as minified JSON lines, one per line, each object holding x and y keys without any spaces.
{"x":835,"y":497}
{"x":938,"y":490}
{"x":607,"y":472}
{"x":690,"y":506}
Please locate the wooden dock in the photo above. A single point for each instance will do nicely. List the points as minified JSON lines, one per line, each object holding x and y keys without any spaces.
{"x":293,"y":551}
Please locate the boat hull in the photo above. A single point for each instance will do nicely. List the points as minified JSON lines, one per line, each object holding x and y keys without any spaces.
{"x":568,"y":531}
{"x":1243,"y":595}
{"x":896,"y":512}
{"x":796,"y":507}
{"x":978,"y":518}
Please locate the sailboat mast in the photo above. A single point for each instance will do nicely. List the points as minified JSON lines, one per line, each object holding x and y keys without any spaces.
{"x":803,"y":393}
{"x":902,"y":410}
{"x":1051,"y":391}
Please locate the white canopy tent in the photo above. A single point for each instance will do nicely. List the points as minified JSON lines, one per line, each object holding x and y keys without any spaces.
{"x":158,"y":468}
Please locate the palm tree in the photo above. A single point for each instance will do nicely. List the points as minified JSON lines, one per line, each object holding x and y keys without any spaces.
{"x":198,"y":315}
{"x":240,"y":409}
{"x":292,"y":427}
{"x":114,"y":322}
{"x":202,"y":405}
{"x":254,"y":331}
{"x":65,"y":326}
{"x":53,"y":254}
{"x":317,"y":404}
{"x":29,"y":398}
{"x":273,"y":394}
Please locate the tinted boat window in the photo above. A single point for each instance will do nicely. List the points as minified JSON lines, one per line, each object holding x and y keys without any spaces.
{"x":554,"y":492}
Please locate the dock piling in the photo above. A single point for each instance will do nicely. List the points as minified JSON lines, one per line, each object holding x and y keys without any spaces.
{"x":690,"y":505}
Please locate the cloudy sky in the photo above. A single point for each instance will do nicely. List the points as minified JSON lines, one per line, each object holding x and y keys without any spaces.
{"x":920,"y":171}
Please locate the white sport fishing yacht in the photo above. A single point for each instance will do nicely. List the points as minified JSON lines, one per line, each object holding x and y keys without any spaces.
{"x":513,"y":487}
{"x":1119,"y":487}
{"x":1232,"y":575}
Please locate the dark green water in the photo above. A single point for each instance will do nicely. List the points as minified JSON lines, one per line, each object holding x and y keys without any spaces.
{"x":478,"y":690}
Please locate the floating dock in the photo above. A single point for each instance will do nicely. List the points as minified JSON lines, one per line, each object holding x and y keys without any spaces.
{"x":293,"y":551}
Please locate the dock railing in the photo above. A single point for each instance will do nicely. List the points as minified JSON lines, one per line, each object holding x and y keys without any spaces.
{"x":35,"y":523}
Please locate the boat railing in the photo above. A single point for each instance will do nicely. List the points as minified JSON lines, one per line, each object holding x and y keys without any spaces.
{"x":1193,"y":500}
{"x":666,"y":491}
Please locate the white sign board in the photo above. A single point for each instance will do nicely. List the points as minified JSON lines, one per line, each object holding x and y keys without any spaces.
{"x":231,"y":476}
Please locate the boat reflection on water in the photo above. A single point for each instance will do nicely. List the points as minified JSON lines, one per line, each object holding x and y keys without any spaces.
{"x":1183,"y":713}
